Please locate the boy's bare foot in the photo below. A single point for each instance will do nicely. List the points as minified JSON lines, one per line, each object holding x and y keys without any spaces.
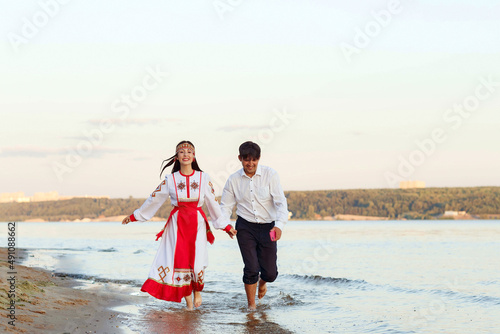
{"x":197,"y":299}
{"x":262,"y":288}
{"x":250,"y":290}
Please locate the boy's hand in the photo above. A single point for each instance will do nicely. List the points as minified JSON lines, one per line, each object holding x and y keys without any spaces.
{"x":278,"y":232}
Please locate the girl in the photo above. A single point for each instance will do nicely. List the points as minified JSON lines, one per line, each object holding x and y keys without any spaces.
{"x":178,"y":269}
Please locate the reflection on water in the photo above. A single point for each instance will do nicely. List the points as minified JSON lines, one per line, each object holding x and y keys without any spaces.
{"x":335,"y":277}
{"x":170,"y":319}
{"x":257,"y":322}
{"x":177,"y":321}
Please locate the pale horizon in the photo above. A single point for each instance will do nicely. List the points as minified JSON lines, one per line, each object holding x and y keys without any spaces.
{"x":63,"y":196}
{"x":339,"y":95}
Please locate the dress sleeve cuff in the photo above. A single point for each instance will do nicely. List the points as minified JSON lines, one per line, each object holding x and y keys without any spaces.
{"x":228,"y":228}
{"x":132,"y":218}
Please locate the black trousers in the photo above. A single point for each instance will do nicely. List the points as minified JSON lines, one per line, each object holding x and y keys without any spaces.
{"x":259,"y":253}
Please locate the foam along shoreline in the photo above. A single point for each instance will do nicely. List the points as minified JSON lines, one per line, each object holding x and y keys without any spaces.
{"x":48,"y":304}
{"x":90,"y":220}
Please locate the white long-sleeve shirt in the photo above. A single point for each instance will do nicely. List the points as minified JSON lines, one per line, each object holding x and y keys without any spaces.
{"x":182,"y":188}
{"x":258,"y":199}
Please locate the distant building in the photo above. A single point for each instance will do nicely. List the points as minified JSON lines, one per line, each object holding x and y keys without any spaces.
{"x":411,"y":184}
{"x":454,"y":213}
{"x":42,"y":197}
{"x":13,"y":197}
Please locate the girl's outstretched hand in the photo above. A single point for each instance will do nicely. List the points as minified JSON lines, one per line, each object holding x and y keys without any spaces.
{"x":229,"y":229}
{"x":126,"y":220}
{"x":232,"y":232}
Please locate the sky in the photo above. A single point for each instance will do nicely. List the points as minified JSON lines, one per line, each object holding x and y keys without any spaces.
{"x":94,"y":95}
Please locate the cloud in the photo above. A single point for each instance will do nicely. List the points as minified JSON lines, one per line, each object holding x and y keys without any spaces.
{"x":231,"y":128}
{"x":141,"y":159}
{"x":101,"y":151}
{"x":134,"y":121}
{"x":29,"y":151}
{"x":41,"y":152}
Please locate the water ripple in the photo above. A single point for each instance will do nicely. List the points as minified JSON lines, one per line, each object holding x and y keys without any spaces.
{"x":109,"y":250}
{"x":325,"y":280}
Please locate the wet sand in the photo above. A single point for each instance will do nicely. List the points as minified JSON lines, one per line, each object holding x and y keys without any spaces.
{"x":47,"y":304}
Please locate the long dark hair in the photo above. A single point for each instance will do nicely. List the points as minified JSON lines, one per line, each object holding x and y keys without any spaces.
{"x":176,"y":163}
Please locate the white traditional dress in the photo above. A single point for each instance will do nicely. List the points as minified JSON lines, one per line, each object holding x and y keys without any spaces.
{"x":179,"y":265}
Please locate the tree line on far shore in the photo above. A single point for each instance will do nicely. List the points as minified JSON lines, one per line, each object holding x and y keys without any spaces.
{"x":422,"y":203}
{"x":426,"y":203}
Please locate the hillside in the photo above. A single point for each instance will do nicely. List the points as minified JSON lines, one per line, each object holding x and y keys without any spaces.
{"x":430,"y":203}
{"x":426,"y":203}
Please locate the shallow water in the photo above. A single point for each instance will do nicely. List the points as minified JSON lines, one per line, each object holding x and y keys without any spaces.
{"x":334,"y":277}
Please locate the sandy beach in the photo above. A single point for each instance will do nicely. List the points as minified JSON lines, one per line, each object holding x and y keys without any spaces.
{"x":47,"y":304}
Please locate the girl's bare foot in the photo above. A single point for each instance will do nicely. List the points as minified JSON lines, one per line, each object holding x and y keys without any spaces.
{"x":189,"y":302}
{"x":197,"y":299}
{"x":262,"y":288}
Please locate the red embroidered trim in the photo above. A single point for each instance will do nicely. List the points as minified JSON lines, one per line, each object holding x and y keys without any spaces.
{"x":169,"y":293}
{"x":132,"y":218}
{"x":199,"y":189}
{"x":187,"y":175}
{"x":228,"y":228}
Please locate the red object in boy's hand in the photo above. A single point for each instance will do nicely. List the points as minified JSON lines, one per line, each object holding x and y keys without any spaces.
{"x":272,"y":234}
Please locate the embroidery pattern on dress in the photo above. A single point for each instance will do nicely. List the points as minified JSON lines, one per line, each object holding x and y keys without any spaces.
{"x":194,"y":185}
{"x":201,"y":275}
{"x":181,"y":185}
{"x":163,"y":272}
{"x":158,"y":189}
{"x":211,"y":187}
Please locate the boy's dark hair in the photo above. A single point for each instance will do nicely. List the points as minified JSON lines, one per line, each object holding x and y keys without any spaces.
{"x":249,"y":150}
